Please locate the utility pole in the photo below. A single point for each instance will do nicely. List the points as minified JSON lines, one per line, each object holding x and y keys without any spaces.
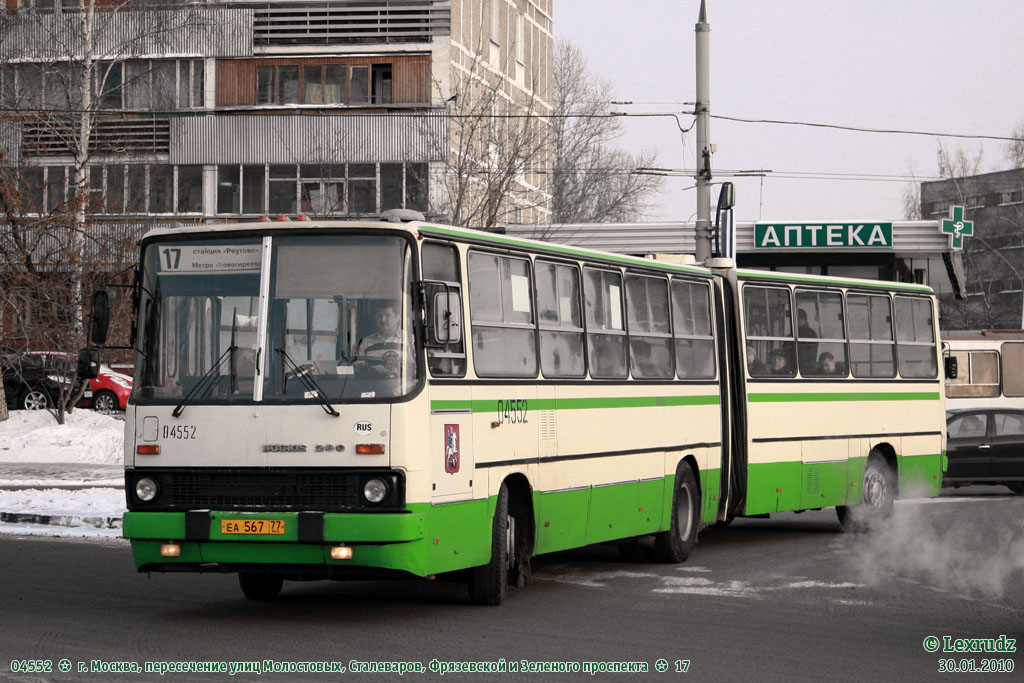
{"x":703,"y":111}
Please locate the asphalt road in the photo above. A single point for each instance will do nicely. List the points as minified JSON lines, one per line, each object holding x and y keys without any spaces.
{"x":788,"y":598}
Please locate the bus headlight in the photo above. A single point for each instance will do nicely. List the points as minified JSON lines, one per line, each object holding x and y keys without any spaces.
{"x":146,"y":489}
{"x":375,"y":490}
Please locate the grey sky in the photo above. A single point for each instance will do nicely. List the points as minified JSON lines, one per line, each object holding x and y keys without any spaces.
{"x":924,"y":65}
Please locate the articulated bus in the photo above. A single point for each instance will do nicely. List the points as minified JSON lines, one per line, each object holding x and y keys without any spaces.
{"x":337,"y":400}
{"x":990,"y":369}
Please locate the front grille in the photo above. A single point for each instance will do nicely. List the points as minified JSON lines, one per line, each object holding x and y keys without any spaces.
{"x":327,"y":490}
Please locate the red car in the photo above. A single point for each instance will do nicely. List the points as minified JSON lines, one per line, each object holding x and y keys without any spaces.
{"x":110,"y":391}
{"x":107,"y":393}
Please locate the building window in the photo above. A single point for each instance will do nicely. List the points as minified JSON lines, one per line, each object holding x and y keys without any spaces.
{"x":360,"y":90}
{"x":317,"y":190}
{"x":141,"y":84}
{"x":324,"y":84}
{"x":495,"y":17}
{"x":520,"y":41}
{"x":382,"y":84}
{"x":190,"y":189}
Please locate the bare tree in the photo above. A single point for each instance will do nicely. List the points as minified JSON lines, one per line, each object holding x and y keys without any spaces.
{"x":1015,"y":148}
{"x":67,"y":75}
{"x":498,"y":143}
{"x":593,"y":181}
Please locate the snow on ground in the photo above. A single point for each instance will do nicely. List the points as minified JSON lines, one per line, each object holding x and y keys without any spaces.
{"x":34,"y":436}
{"x":86,"y":503}
{"x":61,"y":480}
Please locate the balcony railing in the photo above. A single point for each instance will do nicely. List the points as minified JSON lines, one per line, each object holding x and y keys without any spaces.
{"x":344,"y":22}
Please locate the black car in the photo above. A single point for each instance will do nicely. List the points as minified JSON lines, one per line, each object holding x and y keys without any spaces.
{"x":985,"y":446}
{"x":34,"y":382}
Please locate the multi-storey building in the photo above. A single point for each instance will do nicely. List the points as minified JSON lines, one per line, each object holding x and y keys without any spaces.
{"x":233,"y":109}
{"x":993,"y":255}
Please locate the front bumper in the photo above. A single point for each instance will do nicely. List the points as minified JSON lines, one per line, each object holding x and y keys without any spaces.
{"x":420,"y":540}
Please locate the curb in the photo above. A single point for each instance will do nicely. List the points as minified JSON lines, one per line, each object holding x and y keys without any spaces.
{"x":97,"y":522}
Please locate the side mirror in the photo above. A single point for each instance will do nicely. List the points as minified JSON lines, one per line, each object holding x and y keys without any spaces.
{"x":100,"y":318}
{"x":88,"y":363}
{"x":446,"y":328}
{"x":727,"y":197}
{"x":951,"y":367}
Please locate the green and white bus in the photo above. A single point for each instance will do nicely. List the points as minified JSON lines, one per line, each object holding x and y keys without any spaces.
{"x":337,"y":400}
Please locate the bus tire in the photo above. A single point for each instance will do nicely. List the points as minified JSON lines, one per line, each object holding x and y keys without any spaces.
{"x":676,"y":544}
{"x":878,"y":493}
{"x":260,"y":586}
{"x":488,"y":584}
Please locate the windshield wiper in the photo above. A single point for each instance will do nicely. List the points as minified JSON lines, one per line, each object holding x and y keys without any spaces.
{"x":304,"y":375}
{"x":205,"y":382}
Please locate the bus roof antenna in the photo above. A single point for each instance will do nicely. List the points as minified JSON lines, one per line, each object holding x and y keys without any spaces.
{"x":401,"y":216}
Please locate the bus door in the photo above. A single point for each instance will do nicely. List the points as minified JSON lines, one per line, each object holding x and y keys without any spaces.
{"x":450,"y":446}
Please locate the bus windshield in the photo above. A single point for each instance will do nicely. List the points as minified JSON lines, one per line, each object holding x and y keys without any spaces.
{"x":336,"y":322}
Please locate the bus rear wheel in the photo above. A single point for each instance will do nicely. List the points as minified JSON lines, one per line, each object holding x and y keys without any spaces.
{"x":488,"y":584}
{"x":260,"y":586}
{"x":676,"y":544}
{"x":878,"y":493}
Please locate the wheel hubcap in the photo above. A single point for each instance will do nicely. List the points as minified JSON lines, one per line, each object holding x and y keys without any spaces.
{"x":104,"y":404}
{"x":35,"y":401}
{"x":875,"y":489}
{"x":684,"y":509}
{"x":510,"y":542}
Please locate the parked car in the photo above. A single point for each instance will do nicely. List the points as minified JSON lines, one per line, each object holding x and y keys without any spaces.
{"x":34,"y":382}
{"x":106,"y":393}
{"x":110,"y":391}
{"x":985,"y":446}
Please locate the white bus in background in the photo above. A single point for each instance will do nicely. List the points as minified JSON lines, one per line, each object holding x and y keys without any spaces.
{"x":990,"y":369}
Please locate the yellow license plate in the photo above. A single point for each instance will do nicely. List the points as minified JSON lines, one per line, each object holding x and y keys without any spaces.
{"x":252,"y":526}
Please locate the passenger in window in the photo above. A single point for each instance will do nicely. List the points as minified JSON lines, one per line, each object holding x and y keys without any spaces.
{"x":380,"y":353}
{"x":805,"y":331}
{"x":754,"y":366}
{"x":778,"y":363}
{"x":827,"y":365}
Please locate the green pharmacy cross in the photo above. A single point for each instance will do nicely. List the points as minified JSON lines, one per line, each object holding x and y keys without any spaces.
{"x":957,"y":227}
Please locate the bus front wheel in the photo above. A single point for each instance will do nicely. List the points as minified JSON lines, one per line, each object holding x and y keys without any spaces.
{"x":260,"y":586}
{"x":488,"y":584}
{"x":676,"y":544}
{"x":878,"y":493}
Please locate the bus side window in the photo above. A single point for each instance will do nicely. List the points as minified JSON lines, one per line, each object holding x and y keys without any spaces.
{"x":501,"y":311}
{"x":915,"y":337}
{"x":871,"y":342}
{"x":561,"y":322}
{"x":440,"y":262}
{"x":691,"y":327}
{"x":768,"y":320}
{"x":650,"y":342}
{"x":606,"y":331}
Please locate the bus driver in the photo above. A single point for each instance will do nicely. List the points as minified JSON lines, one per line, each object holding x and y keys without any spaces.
{"x":380,"y":353}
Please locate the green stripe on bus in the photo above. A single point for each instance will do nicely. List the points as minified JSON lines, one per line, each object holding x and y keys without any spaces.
{"x":844,"y":396}
{"x":489,"y":405}
{"x":560,"y":249}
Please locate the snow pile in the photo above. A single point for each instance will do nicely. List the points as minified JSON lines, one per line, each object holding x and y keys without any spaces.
{"x":86,"y":437}
{"x":88,"y":502}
